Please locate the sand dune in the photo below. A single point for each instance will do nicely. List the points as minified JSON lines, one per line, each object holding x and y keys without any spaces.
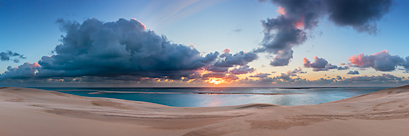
{"x":25,"y":111}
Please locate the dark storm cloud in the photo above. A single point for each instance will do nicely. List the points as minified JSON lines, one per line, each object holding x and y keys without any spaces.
{"x":124,"y":47}
{"x":124,"y":50}
{"x":353,"y":72}
{"x":381,"y":61}
{"x":359,"y":14}
{"x":288,"y":30}
{"x":7,"y":56}
{"x":120,"y":48}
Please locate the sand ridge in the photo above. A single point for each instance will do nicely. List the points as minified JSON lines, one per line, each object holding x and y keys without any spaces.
{"x":64,"y":114}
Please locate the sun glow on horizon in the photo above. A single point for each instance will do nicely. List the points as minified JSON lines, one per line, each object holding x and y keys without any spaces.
{"x":216,"y":81}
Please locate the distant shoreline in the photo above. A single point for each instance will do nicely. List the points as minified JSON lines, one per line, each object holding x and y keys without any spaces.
{"x":200,"y":87}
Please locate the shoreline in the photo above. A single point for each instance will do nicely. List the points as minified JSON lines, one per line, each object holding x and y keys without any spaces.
{"x":41,"y":112}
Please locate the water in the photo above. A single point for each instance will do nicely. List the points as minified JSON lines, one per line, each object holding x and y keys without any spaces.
{"x":211,"y":97}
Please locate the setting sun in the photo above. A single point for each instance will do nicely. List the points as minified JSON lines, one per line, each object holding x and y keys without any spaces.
{"x":216,"y":81}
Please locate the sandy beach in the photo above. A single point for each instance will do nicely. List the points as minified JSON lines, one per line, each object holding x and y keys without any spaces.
{"x":25,"y":111}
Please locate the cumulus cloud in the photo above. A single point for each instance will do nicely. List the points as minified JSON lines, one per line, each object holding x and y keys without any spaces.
{"x":353,"y":72}
{"x":320,"y":64}
{"x":120,"y":48}
{"x":282,"y":58}
{"x":8,"y":55}
{"x":381,"y":61}
{"x":24,"y":71}
{"x":230,"y":60}
{"x":125,"y":50}
{"x":288,"y":30}
{"x":242,"y":70}
{"x":226,"y":60}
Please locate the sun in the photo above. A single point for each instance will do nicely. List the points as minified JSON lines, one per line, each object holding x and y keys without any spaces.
{"x":216,"y":81}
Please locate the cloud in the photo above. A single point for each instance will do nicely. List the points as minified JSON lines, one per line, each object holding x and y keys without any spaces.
{"x":217,"y":69}
{"x":406,"y":64}
{"x":379,"y":80}
{"x":343,"y":67}
{"x":226,"y":60}
{"x":261,"y":75}
{"x":384,"y":78}
{"x":237,"y":30}
{"x":353,"y":72}
{"x":230,"y":60}
{"x":299,"y":71}
{"x":24,"y":71}
{"x":7,"y":56}
{"x":125,"y":50}
{"x":320,"y":64}
{"x":226,"y":51}
{"x":263,"y":78}
{"x":359,"y":14}
{"x":242,"y":70}
{"x":282,"y":58}
{"x":381,"y":61}
{"x":213,"y":75}
{"x":220,"y":76}
{"x":289,"y":74}
{"x":295,"y":17}
{"x":120,"y":48}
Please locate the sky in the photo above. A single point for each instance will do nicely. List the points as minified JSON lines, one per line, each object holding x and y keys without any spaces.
{"x":199,"y":43}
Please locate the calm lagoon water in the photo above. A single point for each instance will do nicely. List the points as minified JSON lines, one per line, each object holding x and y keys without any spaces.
{"x":211,"y":97}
